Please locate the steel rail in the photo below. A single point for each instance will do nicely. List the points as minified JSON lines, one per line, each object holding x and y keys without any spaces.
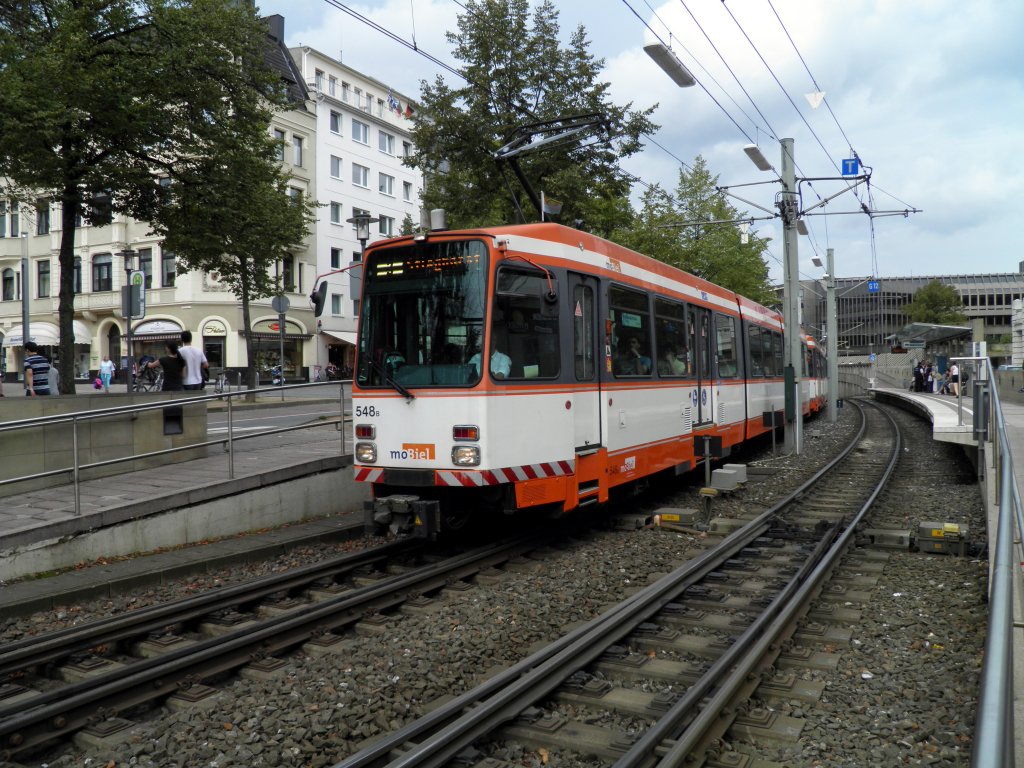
{"x":440,"y":735}
{"x":33,"y":651}
{"x":56,"y":713}
{"x":741,"y":659}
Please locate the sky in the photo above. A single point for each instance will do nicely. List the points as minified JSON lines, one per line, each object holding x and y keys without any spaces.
{"x":928,"y":94}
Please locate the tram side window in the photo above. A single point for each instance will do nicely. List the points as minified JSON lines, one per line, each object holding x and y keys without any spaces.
{"x":524,"y":327}
{"x":756,"y":339}
{"x":725,"y":339}
{"x":631,"y":332}
{"x":674,"y":357}
{"x":777,"y":356}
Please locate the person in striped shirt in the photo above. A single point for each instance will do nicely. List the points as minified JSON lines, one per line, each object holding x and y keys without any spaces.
{"x":37,"y":371}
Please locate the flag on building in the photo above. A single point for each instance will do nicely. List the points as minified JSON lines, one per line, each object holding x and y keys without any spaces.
{"x":549,"y":206}
{"x":393,"y":103}
{"x":408,"y":111}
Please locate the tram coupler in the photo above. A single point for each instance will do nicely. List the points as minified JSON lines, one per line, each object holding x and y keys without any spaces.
{"x":404,"y":515}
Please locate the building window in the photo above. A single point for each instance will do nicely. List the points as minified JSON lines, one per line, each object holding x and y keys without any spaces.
{"x":360,"y":175}
{"x":332,"y":84}
{"x":386,"y":142}
{"x":380,"y":107}
{"x":386,"y":226}
{"x":102,"y":273}
{"x":359,"y":212}
{"x":360,"y":132}
{"x":355,"y":307}
{"x":335,"y":258}
{"x":146,"y":265}
{"x":345,"y":91}
{"x":297,"y":150}
{"x":335,"y":167}
{"x":279,"y":138}
{"x":8,"y":285}
{"x":318,"y":81}
{"x":288,"y":272}
{"x":168,"y":269}
{"x":43,"y":217}
{"x":76,"y":277}
{"x":407,"y":191}
{"x":406,"y":149}
{"x":294,"y":195}
{"x":15,"y":224}
{"x":43,"y":279}
{"x":336,"y":304}
{"x":335,"y":213}
{"x":386,"y":184}
{"x":335,"y":122}
{"x":3,"y":218}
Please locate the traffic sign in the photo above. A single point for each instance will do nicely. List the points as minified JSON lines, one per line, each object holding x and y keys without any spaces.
{"x":137,"y":280}
{"x":874,"y":286}
{"x":872,"y":357}
{"x":851,"y":166}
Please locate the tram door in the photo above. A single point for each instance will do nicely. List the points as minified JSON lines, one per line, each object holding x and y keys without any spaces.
{"x":698,"y":329}
{"x":586,"y":399}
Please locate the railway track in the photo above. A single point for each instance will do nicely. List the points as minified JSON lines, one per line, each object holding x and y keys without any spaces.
{"x":724,"y":619}
{"x":84,"y":676}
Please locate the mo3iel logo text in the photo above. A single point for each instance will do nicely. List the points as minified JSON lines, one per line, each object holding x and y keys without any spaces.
{"x":415,"y":452}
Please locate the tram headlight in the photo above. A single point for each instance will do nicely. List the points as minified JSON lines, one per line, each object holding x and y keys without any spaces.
{"x":466,"y":455}
{"x":366,"y":453}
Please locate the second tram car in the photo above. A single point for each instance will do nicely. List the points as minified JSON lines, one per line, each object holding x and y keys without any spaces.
{"x":534,"y":365}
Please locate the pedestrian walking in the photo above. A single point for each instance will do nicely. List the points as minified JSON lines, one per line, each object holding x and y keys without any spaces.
{"x":195,"y":360}
{"x":954,"y":379}
{"x":37,"y":371}
{"x":106,"y":372}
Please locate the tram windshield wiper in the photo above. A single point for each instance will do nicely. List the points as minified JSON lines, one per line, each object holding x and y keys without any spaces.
{"x":391,"y":382}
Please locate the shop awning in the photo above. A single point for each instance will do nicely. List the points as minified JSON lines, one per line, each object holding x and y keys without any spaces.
{"x":157,"y":330}
{"x":343,"y":336}
{"x":45,"y":334}
{"x":271,"y":336}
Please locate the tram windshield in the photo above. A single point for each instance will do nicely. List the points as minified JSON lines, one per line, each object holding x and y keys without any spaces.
{"x":422,"y":314}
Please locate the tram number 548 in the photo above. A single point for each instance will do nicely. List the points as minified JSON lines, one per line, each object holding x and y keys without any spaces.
{"x":367,"y":411}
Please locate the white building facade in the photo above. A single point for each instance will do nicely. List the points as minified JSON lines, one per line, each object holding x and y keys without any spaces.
{"x":363,"y":135}
{"x":343,"y":144}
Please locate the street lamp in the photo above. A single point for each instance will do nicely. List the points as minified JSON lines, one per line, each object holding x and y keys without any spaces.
{"x":669,"y":62}
{"x":362,"y":222}
{"x":126,"y":304}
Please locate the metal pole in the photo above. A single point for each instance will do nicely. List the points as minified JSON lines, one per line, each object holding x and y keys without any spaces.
{"x":832,"y":330}
{"x":25,"y":279}
{"x":791,"y":294}
{"x":280,"y":352}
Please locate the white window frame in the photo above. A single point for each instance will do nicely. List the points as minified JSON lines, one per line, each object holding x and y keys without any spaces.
{"x":360,"y":175}
{"x":337,"y":305}
{"x":360,"y":132}
{"x":386,"y":184}
{"x":336,"y":165}
{"x":297,"y":150}
{"x":407,"y":191}
{"x":335,"y":121}
{"x":336,"y":213}
{"x":386,"y":143}
{"x":386,"y":226}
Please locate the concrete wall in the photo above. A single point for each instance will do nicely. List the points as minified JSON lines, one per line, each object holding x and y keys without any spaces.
{"x":322,"y":488}
{"x":51,"y":447}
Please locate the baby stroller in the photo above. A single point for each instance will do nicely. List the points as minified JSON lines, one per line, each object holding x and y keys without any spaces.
{"x":147,"y":379}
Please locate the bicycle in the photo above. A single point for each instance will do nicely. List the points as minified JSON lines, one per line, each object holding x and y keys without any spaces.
{"x":149,"y":381}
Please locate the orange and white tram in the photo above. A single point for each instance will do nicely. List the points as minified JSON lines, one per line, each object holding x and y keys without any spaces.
{"x":533,"y":365}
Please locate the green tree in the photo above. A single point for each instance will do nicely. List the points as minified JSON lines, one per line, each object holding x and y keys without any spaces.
{"x":689,"y":230}
{"x":936,"y":303}
{"x":108,"y":99}
{"x":234,"y":215}
{"x":516,"y":74}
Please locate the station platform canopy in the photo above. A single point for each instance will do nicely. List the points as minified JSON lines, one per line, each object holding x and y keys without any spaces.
{"x":929,"y":333}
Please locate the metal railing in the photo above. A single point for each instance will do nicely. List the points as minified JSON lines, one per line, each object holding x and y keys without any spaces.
{"x":993,"y":731}
{"x":77,"y":418}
